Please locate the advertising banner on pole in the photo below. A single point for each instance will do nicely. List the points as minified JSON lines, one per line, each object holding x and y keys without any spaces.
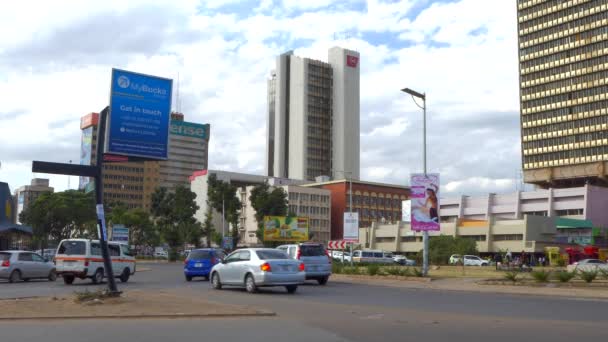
{"x":425,"y":202}
{"x":285,"y":228}
{"x":351,"y":227}
{"x":140,"y":111}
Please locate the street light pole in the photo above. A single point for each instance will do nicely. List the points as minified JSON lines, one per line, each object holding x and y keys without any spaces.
{"x":425,"y":234}
{"x":350,"y":207}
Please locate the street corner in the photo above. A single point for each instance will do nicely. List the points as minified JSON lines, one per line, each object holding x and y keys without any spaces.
{"x":136,"y":304}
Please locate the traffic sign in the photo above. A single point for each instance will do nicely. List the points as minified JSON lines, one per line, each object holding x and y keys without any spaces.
{"x":337,"y":244}
{"x":140,"y":111}
{"x":351,"y":227}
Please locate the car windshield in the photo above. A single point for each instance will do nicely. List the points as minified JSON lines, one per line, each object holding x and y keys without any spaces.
{"x":271,"y":254}
{"x":199,"y":255}
{"x":312,"y":250}
{"x":5,"y":256}
{"x":72,"y":248}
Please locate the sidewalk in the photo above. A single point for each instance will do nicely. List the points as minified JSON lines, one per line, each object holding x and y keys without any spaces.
{"x":471,"y":285}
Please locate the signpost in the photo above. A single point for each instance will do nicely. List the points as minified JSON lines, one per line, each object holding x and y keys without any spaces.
{"x":351,"y":230}
{"x":120,"y":233}
{"x":337,"y":244}
{"x":227,"y":243}
{"x":138,"y":119}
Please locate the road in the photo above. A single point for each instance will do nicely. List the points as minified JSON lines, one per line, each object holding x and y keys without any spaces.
{"x":336,"y":312}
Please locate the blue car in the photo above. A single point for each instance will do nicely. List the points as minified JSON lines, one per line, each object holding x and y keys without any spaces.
{"x":200,"y":262}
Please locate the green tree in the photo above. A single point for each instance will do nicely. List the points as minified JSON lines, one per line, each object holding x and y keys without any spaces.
{"x":61,"y":215}
{"x":208,"y":229}
{"x":173,"y":213}
{"x":142,"y":231}
{"x":267,"y":201}
{"x":223,"y":196}
{"x":443,"y":246}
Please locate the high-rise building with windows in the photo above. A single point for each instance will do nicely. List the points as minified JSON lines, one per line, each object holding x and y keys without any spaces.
{"x":563,"y":67}
{"x":313,"y":116}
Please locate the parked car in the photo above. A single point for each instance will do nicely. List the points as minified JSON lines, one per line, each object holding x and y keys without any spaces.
{"x":403,"y":260}
{"x":21,"y":265}
{"x":47,"y":253}
{"x":161,"y":254}
{"x":82,"y":258}
{"x":373,"y":257}
{"x":588,"y":265}
{"x":256,"y":267}
{"x":315,"y":257}
{"x":200,"y":261}
{"x":338,"y":255}
{"x":473,"y":260}
{"x":455,"y":259}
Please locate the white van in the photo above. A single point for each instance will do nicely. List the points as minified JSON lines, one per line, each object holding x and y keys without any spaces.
{"x":82,"y":258}
{"x":373,"y":257}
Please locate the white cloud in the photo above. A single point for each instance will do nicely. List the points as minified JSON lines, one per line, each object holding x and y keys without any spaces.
{"x":48,"y":80}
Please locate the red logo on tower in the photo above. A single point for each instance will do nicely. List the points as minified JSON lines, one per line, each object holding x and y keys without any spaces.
{"x":352,"y":61}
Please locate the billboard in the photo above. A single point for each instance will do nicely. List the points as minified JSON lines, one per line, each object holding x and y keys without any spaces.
{"x":406,"y":211}
{"x":86,"y":145}
{"x":425,"y":202}
{"x":140,"y":110}
{"x":351,"y":227}
{"x":120,"y":233}
{"x":190,"y":129}
{"x":285,"y":228}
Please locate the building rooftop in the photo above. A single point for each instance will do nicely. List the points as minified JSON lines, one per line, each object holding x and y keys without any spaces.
{"x":338,"y":181}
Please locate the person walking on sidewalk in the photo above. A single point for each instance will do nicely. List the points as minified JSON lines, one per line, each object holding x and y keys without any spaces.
{"x":498,"y":260}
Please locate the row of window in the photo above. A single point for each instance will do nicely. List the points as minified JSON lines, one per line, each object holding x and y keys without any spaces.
{"x":124,"y":178}
{"x":325,"y":81}
{"x":570,"y":125}
{"x":319,"y":100}
{"x":319,"y":152}
{"x":317,"y":69}
{"x":323,"y":121}
{"x":569,"y":212}
{"x":312,"y":130}
{"x":376,"y":201}
{"x":565,"y":57}
{"x":568,"y":157}
{"x":323,"y":91}
{"x":123,"y":187}
{"x":585,"y":81}
{"x":562,"y":29}
{"x":564,"y":71}
{"x":562,"y":43}
{"x":113,"y":167}
{"x":496,"y":237}
{"x":561,"y":100}
{"x":548,"y":11}
{"x":565,"y":114}
{"x":308,"y":210}
{"x":563,"y":141}
{"x":122,"y":196}
{"x":316,"y":223}
{"x":294,"y":196}
{"x":388,"y":215}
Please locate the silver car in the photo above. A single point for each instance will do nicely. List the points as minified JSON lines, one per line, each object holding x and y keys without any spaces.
{"x":21,"y":265}
{"x":256,"y":267}
{"x":315,"y":258}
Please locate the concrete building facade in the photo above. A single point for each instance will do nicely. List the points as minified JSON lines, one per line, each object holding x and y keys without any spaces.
{"x":303,"y":202}
{"x":375,"y":202}
{"x":313,"y":116}
{"x":27,"y":194}
{"x":563,"y":67}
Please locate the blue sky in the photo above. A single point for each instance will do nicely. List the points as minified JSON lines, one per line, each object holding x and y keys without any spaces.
{"x":55,"y":65}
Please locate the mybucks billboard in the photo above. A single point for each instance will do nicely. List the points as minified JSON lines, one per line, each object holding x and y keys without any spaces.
{"x":285,"y":228}
{"x":190,"y":129}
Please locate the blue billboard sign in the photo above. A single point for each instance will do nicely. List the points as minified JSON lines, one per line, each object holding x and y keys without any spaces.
{"x":140,"y":110}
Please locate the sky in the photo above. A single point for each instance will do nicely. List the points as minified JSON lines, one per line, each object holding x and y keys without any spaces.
{"x":55,"y":65}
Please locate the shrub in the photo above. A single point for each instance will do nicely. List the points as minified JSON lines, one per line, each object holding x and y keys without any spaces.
{"x":405,"y":272}
{"x":350,"y":270}
{"x":541,"y":276}
{"x":561,"y":262}
{"x":588,"y":276}
{"x":565,"y":276}
{"x":373,"y":270}
{"x":512,"y":276}
{"x":604,"y":273}
{"x":418,"y":272}
{"x":337,"y":267}
{"x":393,"y":271}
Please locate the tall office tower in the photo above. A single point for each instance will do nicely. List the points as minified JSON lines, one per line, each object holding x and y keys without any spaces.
{"x":133,"y":183}
{"x":563,"y":68}
{"x":313,"y":117}
{"x":27,"y":194}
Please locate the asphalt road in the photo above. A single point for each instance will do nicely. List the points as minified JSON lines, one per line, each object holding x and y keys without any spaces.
{"x":336,"y":312}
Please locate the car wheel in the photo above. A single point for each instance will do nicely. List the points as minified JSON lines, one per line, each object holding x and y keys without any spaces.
{"x":14,"y":277}
{"x":98,"y":276}
{"x":68,"y":279}
{"x":52,"y":275}
{"x":124,"y":276}
{"x":291,"y":288}
{"x":215,"y":281}
{"x":322,"y":280}
{"x":250,"y":284}
{"x":188,"y":278}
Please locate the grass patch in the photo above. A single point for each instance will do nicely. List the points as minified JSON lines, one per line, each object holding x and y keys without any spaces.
{"x":512,"y":276}
{"x":373,"y":270}
{"x":88,"y":296}
{"x":350,"y":270}
{"x":565,"y":276}
{"x":588,"y":276}
{"x":541,"y":276}
{"x":337,"y":268}
{"x":418,"y":272}
{"x":603,"y":273}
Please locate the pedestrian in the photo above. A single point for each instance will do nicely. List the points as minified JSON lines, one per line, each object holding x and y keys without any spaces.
{"x":498,"y":260}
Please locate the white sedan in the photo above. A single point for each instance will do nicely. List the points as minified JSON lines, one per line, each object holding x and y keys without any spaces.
{"x":473,"y":260}
{"x":588,"y":265}
{"x":256,"y":267}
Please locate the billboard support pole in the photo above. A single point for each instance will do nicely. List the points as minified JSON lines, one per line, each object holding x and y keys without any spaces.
{"x":350,"y":210}
{"x":425,"y":234}
{"x":107,"y":263}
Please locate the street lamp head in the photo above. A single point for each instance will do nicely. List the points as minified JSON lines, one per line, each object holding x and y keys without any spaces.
{"x":413,"y":93}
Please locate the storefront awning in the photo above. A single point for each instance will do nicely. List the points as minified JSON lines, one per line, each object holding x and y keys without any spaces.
{"x":565,"y":223}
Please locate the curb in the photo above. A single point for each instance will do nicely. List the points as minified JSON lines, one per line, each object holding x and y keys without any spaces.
{"x":381,"y":279}
{"x":167,"y":316}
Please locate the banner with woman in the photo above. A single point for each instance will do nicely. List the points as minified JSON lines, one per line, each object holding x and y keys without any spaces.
{"x":425,"y":201}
